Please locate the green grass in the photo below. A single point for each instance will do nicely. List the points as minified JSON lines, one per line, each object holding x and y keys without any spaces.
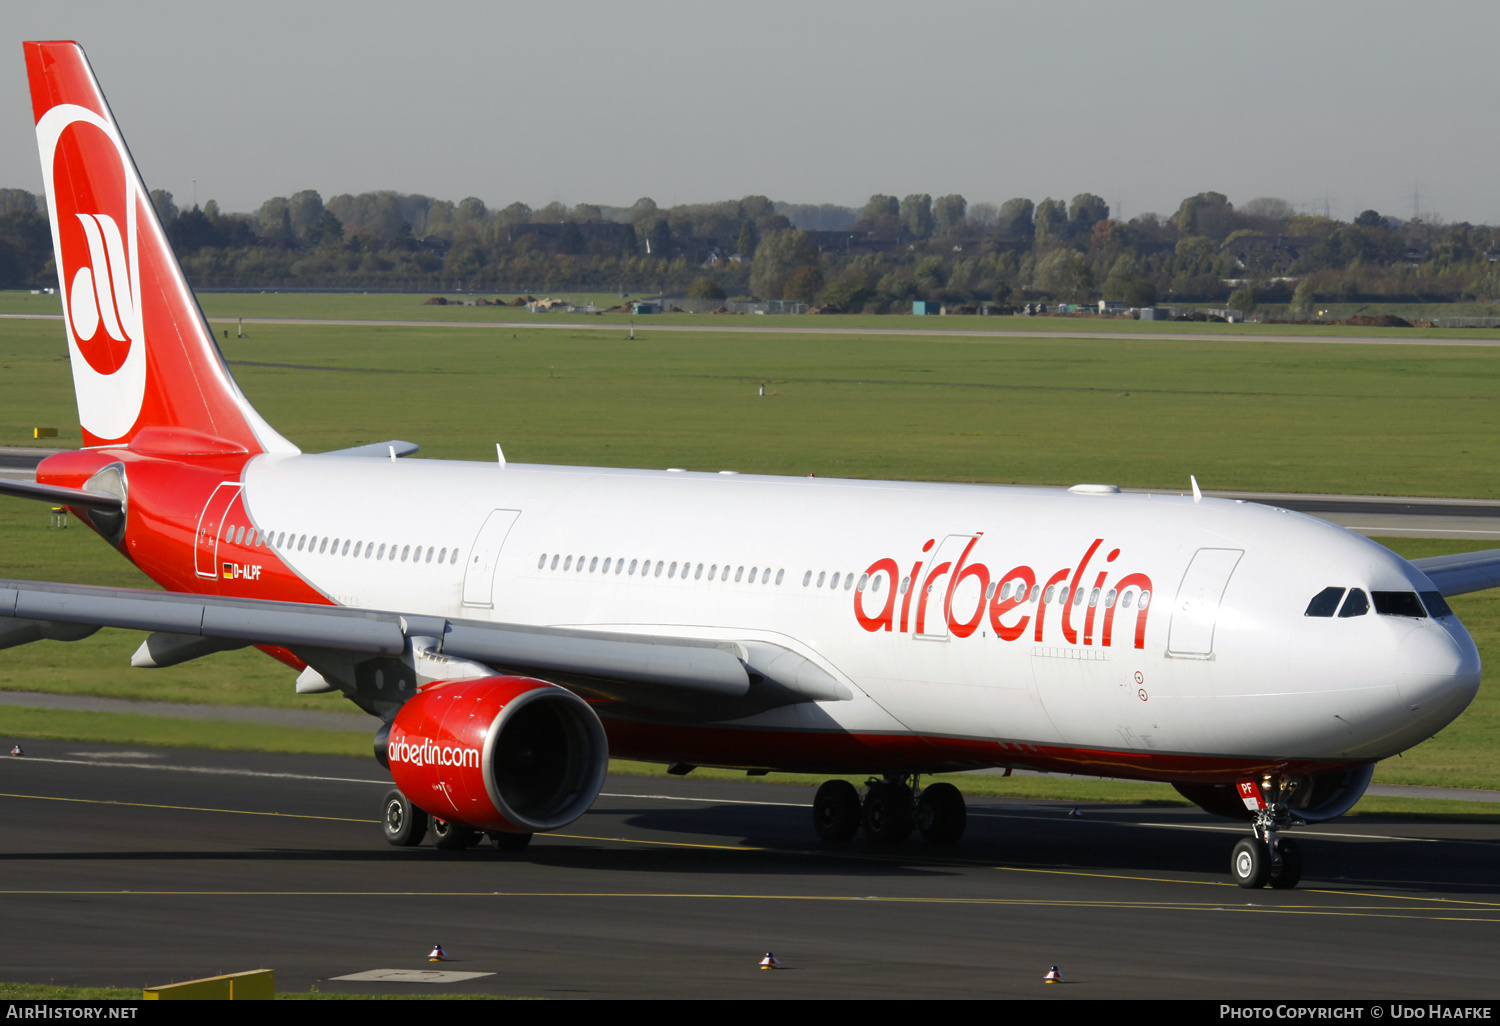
{"x":20,"y":722}
{"x":53,"y":992}
{"x":1239,"y":414}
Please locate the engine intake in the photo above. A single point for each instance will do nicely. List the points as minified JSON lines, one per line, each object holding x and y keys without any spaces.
{"x":508,"y":754}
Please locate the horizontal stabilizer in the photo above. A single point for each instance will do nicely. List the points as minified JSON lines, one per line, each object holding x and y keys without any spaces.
{"x":1462,"y":572}
{"x":76,"y":497}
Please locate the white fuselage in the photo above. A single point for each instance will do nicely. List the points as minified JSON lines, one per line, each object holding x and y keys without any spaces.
{"x":1228,"y":663}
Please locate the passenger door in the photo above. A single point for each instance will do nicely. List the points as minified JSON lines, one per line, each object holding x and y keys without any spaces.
{"x":211,"y":525}
{"x":933,"y":623}
{"x":484,"y":557}
{"x":1196,"y":610}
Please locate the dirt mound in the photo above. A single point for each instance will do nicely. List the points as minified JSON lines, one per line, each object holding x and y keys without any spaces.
{"x":435,"y":301}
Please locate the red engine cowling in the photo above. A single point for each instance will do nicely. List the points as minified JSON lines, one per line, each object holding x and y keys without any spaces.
{"x":499,"y":753}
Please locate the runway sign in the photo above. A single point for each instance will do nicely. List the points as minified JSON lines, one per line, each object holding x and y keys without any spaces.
{"x":255,"y":985}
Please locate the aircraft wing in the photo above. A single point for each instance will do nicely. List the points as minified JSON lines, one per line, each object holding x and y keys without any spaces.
{"x":620,"y":666}
{"x":75,"y":497}
{"x":1462,"y":572}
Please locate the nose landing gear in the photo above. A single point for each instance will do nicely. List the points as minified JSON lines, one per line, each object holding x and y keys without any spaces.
{"x":1266,"y":857}
{"x":891,"y":809}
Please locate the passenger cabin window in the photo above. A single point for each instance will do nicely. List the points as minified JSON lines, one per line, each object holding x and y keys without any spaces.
{"x":1325,"y":602}
{"x":1357,"y":604}
{"x":1436,"y":606}
{"x":1398,"y":603}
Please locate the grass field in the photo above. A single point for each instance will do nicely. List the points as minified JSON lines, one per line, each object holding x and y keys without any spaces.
{"x":411,"y":307}
{"x":1238,"y":413}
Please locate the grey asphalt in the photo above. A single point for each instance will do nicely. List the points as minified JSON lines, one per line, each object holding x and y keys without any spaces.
{"x":126,"y":871}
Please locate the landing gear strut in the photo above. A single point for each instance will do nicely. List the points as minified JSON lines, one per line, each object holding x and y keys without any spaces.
{"x":1266,"y":857}
{"x":893,"y":806}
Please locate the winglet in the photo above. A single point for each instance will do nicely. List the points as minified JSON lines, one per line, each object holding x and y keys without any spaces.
{"x":1197,"y":495}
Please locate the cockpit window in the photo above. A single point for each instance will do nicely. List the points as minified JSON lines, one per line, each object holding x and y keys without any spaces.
{"x":1324,"y":602}
{"x":1357,"y":604}
{"x":1398,"y":603}
{"x":1436,"y":606}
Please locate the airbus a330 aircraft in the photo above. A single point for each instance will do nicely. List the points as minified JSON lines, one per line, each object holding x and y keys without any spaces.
{"x":509,"y":626}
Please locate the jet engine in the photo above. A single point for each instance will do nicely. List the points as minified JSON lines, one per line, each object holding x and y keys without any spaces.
{"x":506,"y":754}
{"x":1313,"y":799}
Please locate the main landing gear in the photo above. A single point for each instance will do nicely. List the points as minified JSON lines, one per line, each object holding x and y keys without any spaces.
{"x":1266,"y":857}
{"x":407,"y":826}
{"x":893,"y":806}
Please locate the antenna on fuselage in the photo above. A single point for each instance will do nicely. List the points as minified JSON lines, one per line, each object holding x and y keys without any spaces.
{"x":1197,"y":495}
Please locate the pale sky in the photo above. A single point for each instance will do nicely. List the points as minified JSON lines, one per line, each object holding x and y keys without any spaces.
{"x":1352,"y":104}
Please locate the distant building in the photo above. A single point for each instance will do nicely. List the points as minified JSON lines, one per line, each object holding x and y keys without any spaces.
{"x":922,"y":308}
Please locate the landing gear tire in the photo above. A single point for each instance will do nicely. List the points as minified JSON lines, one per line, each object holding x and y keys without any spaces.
{"x":836,"y":811}
{"x":510,"y":842}
{"x":1286,"y":875}
{"x":449,"y":836}
{"x":403,"y":824}
{"x":1250,"y":864}
{"x":941,"y":815}
{"x":887,"y":812}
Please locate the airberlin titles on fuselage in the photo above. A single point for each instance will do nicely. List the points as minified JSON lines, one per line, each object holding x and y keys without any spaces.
{"x":1019,"y":589}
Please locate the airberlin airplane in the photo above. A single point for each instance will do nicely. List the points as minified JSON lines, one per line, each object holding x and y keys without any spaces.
{"x":509,"y":626}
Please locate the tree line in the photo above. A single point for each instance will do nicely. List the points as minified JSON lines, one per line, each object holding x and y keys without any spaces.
{"x":876,"y":258}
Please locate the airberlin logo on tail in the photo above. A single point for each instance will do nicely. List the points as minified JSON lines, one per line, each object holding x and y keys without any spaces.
{"x":100,"y":292}
{"x":957,"y":595}
{"x":95,"y":201}
{"x":429,"y":754}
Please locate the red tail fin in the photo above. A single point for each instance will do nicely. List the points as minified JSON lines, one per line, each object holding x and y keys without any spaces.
{"x":143,"y":357}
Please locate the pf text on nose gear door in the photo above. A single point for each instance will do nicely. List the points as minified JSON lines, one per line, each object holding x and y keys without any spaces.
{"x":1196,"y":610}
{"x":484,"y":556}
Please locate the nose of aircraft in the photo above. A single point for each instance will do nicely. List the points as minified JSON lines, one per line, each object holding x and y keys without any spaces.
{"x":1437,"y":672}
